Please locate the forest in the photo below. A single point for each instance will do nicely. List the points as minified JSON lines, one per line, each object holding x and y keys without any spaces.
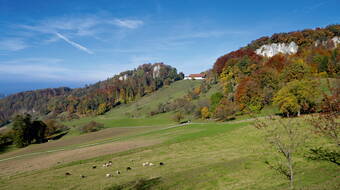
{"x":290,"y":81}
{"x":96,"y":99}
{"x":248,"y":82}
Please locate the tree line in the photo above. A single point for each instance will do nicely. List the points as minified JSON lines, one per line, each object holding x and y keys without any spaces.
{"x":96,"y":99}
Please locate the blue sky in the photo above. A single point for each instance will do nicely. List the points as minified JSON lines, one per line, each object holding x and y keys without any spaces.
{"x":51,"y":43}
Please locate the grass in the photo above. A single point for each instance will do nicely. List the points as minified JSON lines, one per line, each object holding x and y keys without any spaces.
{"x":197,"y":156}
{"x":207,"y":155}
{"x":137,"y":113}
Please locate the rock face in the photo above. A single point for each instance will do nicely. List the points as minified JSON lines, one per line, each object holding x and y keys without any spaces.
{"x":124,"y":77}
{"x":156,"y":71}
{"x":336,"y":40}
{"x":272,"y":49}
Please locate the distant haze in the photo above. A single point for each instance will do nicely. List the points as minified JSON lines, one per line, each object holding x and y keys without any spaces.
{"x":7,"y":88}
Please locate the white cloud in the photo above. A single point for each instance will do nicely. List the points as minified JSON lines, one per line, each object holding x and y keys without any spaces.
{"x":51,"y":70}
{"x":74,"y":44}
{"x":126,"y":23}
{"x":83,"y":26}
{"x":12,"y":44}
{"x":33,"y":61}
{"x":87,"y":26}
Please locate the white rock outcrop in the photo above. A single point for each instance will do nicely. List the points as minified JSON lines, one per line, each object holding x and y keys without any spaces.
{"x":155,"y":72}
{"x":336,"y":40}
{"x":272,"y":49}
{"x":124,"y":77}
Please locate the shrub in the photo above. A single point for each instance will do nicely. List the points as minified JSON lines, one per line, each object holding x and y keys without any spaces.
{"x":215,"y":99}
{"x":92,"y":126}
{"x":178,"y":117}
{"x":54,"y":127}
{"x":205,"y":113}
{"x":226,"y":110}
{"x":6,"y":138}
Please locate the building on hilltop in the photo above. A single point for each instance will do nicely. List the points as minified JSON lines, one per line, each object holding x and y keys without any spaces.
{"x":195,"y":77}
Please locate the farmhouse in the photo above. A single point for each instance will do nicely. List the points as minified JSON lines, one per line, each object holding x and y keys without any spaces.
{"x":195,"y":77}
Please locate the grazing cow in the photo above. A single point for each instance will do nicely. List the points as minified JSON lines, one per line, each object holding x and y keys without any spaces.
{"x":128,"y":168}
{"x":161,"y":164}
{"x":108,"y":175}
{"x":107,"y":164}
{"x":82,"y":176}
{"x":117,"y":172}
{"x":148,"y":164}
{"x":68,"y":173}
{"x":94,"y":167}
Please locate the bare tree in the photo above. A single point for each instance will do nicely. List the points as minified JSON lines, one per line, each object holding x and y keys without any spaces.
{"x":286,"y":137}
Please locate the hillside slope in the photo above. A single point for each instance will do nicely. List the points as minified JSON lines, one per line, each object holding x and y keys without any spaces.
{"x":95,"y":99}
{"x":33,"y":102}
{"x":137,"y":113}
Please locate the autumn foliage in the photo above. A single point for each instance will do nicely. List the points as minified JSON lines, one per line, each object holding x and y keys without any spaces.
{"x":252,"y":81}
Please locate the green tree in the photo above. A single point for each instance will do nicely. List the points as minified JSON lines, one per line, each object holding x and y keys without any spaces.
{"x":21,"y":127}
{"x":37,"y":131}
{"x":295,"y":71}
{"x":102,"y":108}
{"x":26,"y":131}
{"x":215,"y":99}
{"x":298,"y":96}
{"x":322,"y":61}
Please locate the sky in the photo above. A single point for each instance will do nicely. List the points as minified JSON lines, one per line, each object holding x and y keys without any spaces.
{"x":52,"y":43}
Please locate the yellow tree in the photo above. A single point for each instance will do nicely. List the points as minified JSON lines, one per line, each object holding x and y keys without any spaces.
{"x":205,"y":113}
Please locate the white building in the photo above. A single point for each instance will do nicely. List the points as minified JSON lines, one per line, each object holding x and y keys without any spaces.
{"x":195,"y":77}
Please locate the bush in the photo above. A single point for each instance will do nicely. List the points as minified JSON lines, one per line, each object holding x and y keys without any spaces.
{"x":226,"y":110}
{"x":6,"y":138}
{"x":205,"y":113}
{"x":92,"y":126}
{"x":54,"y":127}
{"x":178,"y":117}
{"x":215,"y":99}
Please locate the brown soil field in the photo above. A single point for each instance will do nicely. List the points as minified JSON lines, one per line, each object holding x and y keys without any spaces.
{"x":40,"y":156}
{"x":42,"y":161}
{"x":68,"y":141}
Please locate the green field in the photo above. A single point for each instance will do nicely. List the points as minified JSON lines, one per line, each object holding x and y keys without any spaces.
{"x":196,"y":156}
{"x":137,"y":113}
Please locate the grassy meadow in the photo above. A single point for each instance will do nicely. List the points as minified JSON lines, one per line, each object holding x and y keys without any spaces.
{"x":196,"y":156}
{"x":199,"y":155}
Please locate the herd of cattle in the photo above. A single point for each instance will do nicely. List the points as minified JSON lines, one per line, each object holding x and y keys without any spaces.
{"x":108,"y":164}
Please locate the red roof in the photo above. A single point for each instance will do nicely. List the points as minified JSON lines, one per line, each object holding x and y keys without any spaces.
{"x":197,"y":75}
